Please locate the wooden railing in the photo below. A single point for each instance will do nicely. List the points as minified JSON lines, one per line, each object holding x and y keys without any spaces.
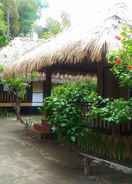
{"x":5,"y":97}
{"x":105,"y":127}
{"x":107,"y":146}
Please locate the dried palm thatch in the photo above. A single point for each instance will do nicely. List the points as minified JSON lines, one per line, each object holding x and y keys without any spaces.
{"x":16,"y":49}
{"x":20,"y":46}
{"x":73,"y":46}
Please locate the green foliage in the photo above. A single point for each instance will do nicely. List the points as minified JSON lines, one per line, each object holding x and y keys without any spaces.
{"x":16,"y":85}
{"x":46,"y":35}
{"x":121,"y":59}
{"x":17,"y":16}
{"x":119,"y":110}
{"x":27,"y":14}
{"x":3,"y":40}
{"x":1,"y":68}
{"x":52,"y":28}
{"x":3,"y":25}
{"x":11,"y":17}
{"x":76,"y":92}
{"x":64,"y":112}
{"x":113,"y":111}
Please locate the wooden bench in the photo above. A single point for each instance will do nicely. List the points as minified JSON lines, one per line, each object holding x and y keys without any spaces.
{"x":88,"y":161}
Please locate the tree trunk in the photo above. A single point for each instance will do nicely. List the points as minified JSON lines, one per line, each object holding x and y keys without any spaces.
{"x":8,"y":23}
{"x":18,"y":108}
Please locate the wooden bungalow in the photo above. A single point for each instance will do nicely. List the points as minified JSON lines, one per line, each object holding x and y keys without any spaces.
{"x":83,"y":51}
{"x":36,"y":91}
{"x":78,"y":51}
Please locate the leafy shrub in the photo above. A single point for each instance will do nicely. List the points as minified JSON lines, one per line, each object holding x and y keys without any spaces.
{"x":115,"y":111}
{"x":63,"y":110}
{"x":3,"y":40}
{"x":121,"y":59}
{"x":75,"y":91}
{"x":65,"y":115}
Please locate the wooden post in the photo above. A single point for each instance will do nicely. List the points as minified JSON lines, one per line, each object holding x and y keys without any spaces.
{"x":47,"y":84}
{"x":100,"y":78}
{"x":108,"y":85}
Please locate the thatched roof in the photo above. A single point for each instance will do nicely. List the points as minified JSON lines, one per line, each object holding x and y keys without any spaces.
{"x":16,"y":49}
{"x":73,"y":46}
{"x":22,"y":45}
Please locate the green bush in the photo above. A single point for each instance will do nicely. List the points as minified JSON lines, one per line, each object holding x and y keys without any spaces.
{"x":75,"y":91}
{"x":63,"y":110}
{"x":121,"y":59}
{"x":3,"y":40}
{"x":65,"y":114}
{"x":115,"y":111}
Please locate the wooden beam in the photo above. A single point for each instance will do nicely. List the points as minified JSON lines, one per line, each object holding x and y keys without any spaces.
{"x":85,"y":67}
{"x":11,"y":104}
{"x":113,"y":165}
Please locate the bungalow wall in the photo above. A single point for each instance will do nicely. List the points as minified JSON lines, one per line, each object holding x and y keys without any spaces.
{"x":108,"y":85}
{"x":33,"y":97}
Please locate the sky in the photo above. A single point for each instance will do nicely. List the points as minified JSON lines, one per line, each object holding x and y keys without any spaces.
{"x":80,"y":11}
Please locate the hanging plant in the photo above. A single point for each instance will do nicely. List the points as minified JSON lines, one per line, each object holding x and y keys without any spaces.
{"x":121,"y":59}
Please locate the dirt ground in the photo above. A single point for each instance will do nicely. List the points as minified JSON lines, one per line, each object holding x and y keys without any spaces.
{"x":24,"y":159}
